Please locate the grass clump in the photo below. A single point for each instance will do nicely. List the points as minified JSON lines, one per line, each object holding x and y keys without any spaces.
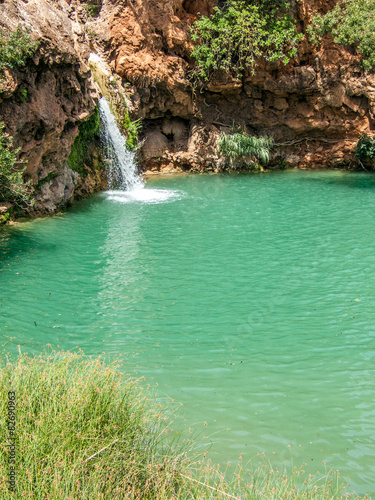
{"x":132,"y":129}
{"x":240,"y":32}
{"x":243,"y":150}
{"x":12,"y":187}
{"x":88,"y":132}
{"x":84,"y":430}
{"x":350,"y":22}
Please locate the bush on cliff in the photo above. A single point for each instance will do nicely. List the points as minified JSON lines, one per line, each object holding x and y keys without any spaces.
{"x":351,"y":22}
{"x":365,"y":151}
{"x":239,"y":33}
{"x":15,"y":48}
{"x":12,"y":187}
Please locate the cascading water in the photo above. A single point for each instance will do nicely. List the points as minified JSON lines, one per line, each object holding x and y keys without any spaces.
{"x":121,"y":166}
{"x":125,"y":184}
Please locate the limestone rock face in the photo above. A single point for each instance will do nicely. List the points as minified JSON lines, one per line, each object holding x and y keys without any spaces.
{"x":42,"y":103}
{"x":316,"y":107}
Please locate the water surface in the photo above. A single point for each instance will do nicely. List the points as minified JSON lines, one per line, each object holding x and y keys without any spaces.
{"x":248,"y":298}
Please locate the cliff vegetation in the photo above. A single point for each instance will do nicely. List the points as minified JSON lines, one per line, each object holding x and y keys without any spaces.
{"x":239,"y":33}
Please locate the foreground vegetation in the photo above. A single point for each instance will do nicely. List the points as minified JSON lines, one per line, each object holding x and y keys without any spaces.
{"x":84,"y":430}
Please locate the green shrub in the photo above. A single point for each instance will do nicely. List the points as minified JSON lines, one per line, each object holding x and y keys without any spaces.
{"x":365,"y":152}
{"x":132,"y":129}
{"x":92,"y":9}
{"x":15,"y":48}
{"x":239,"y":33}
{"x":351,"y":22}
{"x":23,"y":95}
{"x":241,"y":149}
{"x":88,"y":132}
{"x":12,"y":187}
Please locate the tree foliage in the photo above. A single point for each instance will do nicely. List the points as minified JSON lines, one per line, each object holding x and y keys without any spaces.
{"x":12,"y":187}
{"x":15,"y":47}
{"x":243,"y":149}
{"x":351,"y":22}
{"x":239,"y":33}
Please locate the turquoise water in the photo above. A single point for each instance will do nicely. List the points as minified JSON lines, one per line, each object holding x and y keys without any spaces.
{"x":248,"y":299}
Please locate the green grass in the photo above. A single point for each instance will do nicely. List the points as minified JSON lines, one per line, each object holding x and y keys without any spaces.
{"x":84,"y":430}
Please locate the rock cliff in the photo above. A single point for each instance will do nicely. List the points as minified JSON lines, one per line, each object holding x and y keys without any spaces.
{"x":316,"y":107}
{"x":43,"y":103}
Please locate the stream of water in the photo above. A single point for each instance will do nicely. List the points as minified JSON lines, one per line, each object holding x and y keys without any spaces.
{"x":247,"y":298}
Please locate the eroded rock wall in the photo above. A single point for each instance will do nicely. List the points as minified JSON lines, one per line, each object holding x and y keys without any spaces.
{"x":43,"y":102}
{"x":316,"y":107}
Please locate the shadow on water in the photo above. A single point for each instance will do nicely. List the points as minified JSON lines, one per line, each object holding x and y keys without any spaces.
{"x":14,"y":242}
{"x":25,"y":238}
{"x":352,"y":180}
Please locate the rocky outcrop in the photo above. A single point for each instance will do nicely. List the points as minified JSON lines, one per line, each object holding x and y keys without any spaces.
{"x":43,"y":103}
{"x":316,"y":107}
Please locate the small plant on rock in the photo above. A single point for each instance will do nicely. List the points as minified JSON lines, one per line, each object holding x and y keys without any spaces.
{"x":130,"y":127}
{"x":365,"y":151}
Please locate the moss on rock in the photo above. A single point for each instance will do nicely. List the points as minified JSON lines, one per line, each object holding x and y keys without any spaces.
{"x":88,"y":134}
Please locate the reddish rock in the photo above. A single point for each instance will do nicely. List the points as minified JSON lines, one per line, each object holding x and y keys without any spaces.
{"x":58,"y":95}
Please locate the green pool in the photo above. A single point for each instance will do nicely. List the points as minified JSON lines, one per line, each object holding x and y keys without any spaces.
{"x":247,"y":298}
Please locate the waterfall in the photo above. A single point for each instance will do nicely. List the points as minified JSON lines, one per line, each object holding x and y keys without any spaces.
{"x":125,"y":184}
{"x":120,"y":162}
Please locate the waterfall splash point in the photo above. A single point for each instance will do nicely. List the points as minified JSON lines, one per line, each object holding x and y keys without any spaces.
{"x":124,"y":182}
